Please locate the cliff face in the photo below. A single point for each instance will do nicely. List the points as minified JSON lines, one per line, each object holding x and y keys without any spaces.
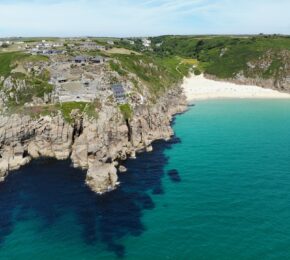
{"x":96,"y":145}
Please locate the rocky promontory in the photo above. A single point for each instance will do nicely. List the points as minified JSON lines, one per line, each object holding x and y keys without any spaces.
{"x":98,"y":145}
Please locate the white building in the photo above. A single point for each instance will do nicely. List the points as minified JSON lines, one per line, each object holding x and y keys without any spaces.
{"x":131,"y":42}
{"x":146,"y":42}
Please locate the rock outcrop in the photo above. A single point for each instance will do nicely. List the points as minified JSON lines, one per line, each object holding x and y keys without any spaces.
{"x":91,"y":144}
{"x":102,"y":177}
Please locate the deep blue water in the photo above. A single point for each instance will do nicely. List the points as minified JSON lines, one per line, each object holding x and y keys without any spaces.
{"x":220,"y":189}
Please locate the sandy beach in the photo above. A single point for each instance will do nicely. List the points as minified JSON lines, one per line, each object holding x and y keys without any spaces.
{"x":199,"y":88}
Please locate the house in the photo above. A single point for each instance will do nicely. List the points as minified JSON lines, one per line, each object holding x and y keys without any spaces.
{"x":119,"y":93}
{"x":98,"y":59}
{"x":101,"y":47}
{"x":146,"y":42}
{"x":80,"y":59}
{"x":110,"y":42}
{"x":47,"y":51}
{"x":50,"y":52}
{"x":56,"y":45}
{"x":89,"y":45}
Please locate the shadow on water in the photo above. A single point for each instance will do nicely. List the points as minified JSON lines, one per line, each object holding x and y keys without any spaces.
{"x":50,"y":188}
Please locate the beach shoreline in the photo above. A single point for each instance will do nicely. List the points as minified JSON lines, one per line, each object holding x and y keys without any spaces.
{"x":200,"y":88}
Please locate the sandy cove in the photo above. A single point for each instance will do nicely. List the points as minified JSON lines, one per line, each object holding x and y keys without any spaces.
{"x":199,"y":88}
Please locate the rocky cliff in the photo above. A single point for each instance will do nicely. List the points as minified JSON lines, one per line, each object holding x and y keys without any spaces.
{"x":98,"y":145}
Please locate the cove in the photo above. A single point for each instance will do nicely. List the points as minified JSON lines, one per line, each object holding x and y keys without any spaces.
{"x":218,"y":189}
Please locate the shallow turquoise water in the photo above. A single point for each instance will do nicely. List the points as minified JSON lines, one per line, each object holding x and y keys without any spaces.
{"x":219,"y":190}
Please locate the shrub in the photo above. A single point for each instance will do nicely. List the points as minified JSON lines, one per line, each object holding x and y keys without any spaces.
{"x":197,"y":72}
{"x":126,"y":111}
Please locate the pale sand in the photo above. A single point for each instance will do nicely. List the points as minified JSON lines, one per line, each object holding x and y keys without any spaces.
{"x":198,"y":88}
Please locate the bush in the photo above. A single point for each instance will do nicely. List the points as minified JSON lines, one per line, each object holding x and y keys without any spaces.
{"x":126,"y":111}
{"x":4,"y":45}
{"x":197,"y":72}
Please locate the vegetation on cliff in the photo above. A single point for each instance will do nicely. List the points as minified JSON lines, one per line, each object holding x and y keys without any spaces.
{"x":225,"y":57}
{"x":23,"y":87}
{"x":157,"y":73}
{"x":10,"y":60}
{"x":126,"y":111}
{"x":80,"y":108}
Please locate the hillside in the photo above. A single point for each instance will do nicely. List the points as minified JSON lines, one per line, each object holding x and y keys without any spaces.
{"x":264,"y":59}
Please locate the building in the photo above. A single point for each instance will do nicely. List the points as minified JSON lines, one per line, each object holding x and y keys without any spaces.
{"x":146,"y":42}
{"x":119,"y":93}
{"x":101,"y":47}
{"x":98,"y":59}
{"x":89,"y":45}
{"x":56,"y":45}
{"x":130,"y":41}
{"x":80,"y":59}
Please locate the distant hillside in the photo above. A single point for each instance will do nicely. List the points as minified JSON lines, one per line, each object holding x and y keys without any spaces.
{"x":263,"y":60}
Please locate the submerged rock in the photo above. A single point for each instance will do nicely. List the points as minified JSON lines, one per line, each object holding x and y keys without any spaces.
{"x":174,"y":175}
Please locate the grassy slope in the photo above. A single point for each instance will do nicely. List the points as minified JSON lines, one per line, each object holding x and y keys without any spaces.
{"x":38,"y":85}
{"x":7,"y":61}
{"x":237,"y":52}
{"x":158,"y":73}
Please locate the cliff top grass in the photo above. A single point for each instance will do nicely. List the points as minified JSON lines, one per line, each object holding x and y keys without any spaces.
{"x":84,"y":107}
{"x":9,"y":61}
{"x":88,"y":108}
{"x":37,"y":85}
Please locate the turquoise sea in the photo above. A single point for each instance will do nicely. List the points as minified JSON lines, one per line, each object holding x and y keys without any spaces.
{"x":220,"y":189}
